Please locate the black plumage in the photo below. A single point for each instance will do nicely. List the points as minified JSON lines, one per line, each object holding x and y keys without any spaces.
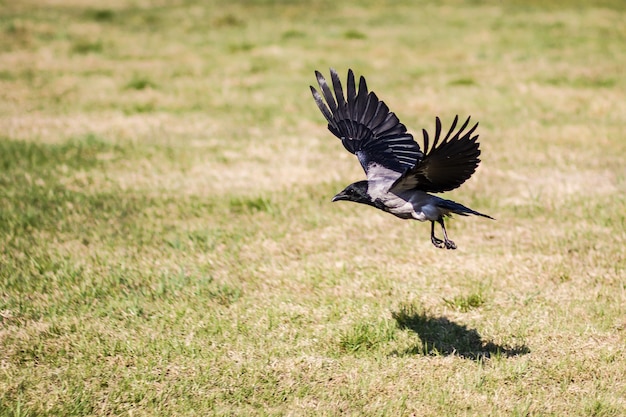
{"x":399,"y":174}
{"x":365,"y":125}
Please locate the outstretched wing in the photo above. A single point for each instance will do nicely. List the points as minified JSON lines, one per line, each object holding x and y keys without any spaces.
{"x":446,"y":165}
{"x":365,"y":126}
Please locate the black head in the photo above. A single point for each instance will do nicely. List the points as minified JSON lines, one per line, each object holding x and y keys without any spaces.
{"x":356,"y":192}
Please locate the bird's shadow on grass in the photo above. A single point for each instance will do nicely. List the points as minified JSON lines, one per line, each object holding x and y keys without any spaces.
{"x":440,"y":336}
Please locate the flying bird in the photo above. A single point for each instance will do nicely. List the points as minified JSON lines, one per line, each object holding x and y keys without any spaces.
{"x":400,"y":175}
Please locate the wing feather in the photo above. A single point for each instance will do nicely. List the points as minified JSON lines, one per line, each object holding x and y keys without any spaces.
{"x":365,"y":125}
{"x":323,"y":108}
{"x":447,"y":164}
{"x":328,"y":95}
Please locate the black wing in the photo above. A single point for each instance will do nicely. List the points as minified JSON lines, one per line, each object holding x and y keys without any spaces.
{"x":446,"y":165}
{"x":365,"y":125}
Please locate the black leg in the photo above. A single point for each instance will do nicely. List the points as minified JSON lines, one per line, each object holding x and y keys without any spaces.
{"x":447,"y":242}
{"x":437,"y":242}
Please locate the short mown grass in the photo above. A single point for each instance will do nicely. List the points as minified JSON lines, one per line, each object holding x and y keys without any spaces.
{"x":168,"y":245}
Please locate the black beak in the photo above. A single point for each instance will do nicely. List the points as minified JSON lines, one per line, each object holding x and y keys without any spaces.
{"x":340,"y":196}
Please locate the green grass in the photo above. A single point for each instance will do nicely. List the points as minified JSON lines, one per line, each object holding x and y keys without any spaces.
{"x":168,"y":245}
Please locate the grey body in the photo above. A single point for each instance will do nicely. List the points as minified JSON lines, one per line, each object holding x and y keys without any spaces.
{"x":416,"y":205}
{"x":402,"y":202}
{"x":400,"y":175}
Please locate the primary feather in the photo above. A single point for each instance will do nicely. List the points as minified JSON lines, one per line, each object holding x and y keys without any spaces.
{"x":365,"y":125}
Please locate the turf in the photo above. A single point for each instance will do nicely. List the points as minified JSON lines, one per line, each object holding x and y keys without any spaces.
{"x":168,"y":245}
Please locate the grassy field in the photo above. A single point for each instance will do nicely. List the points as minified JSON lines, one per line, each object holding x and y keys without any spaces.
{"x":168,"y":245}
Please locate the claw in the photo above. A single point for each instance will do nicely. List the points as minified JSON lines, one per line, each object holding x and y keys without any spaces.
{"x":437,"y":242}
{"x":450,"y":244}
{"x":447,"y":242}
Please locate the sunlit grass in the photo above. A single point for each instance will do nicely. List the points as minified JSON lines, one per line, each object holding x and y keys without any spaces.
{"x":168,"y":245}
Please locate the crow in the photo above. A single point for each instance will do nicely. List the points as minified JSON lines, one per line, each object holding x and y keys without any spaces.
{"x":399,"y":174}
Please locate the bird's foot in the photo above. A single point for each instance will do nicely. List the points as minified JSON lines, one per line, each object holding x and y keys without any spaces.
{"x":450,"y":244}
{"x":437,"y":242}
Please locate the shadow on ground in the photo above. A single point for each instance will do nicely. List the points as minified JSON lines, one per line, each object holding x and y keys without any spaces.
{"x":440,"y":336}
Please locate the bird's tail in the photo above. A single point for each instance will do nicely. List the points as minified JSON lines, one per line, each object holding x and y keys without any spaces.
{"x":456,"y":208}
